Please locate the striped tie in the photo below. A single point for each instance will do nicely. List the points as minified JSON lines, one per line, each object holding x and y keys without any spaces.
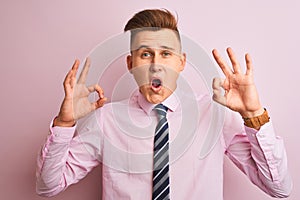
{"x":161,"y":182}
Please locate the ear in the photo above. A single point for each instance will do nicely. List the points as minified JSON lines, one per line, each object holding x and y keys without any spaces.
{"x":183,"y":61}
{"x":129,"y":63}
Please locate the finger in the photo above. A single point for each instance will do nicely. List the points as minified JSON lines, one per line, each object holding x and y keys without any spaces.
{"x":249,"y":65}
{"x":218,"y":93}
{"x":217,"y":83}
{"x":98,"y":89}
{"x":85,"y":70}
{"x":218,"y":86}
{"x":235,"y":64}
{"x":222,"y":64}
{"x":70,"y":78}
{"x":72,"y":72}
{"x":221,"y":99}
{"x":99,"y":103}
{"x":75,"y":65}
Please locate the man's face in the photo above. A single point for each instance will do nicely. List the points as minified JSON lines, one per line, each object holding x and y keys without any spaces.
{"x":156,"y":61}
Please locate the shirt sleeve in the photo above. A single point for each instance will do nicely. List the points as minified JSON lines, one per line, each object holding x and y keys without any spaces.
{"x":260,"y":155}
{"x":67,"y":156}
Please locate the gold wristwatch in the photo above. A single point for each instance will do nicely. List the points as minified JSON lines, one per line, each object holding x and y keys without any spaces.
{"x":257,"y":122}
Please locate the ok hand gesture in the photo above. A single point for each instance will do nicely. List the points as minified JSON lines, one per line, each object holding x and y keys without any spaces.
{"x":76,"y":103}
{"x":240,"y":92}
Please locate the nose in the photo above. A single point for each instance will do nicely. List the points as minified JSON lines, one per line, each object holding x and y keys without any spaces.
{"x":156,"y":64}
{"x":155,"y":67}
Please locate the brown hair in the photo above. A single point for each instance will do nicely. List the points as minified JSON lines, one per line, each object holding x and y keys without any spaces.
{"x":156,"y":18}
{"x":153,"y":20}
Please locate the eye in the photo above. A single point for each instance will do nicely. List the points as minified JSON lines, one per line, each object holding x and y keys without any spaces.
{"x":146,"y":55}
{"x":166,"y":54}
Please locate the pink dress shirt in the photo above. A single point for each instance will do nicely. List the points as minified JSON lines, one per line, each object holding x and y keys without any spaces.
{"x":120,"y":136}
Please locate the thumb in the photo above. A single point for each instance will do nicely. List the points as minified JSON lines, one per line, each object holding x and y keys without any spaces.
{"x":218,"y":91}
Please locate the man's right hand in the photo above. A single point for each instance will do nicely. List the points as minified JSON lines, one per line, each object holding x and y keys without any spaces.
{"x":76,"y":103}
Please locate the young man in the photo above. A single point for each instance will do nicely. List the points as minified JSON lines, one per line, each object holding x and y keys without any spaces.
{"x":140,"y":158}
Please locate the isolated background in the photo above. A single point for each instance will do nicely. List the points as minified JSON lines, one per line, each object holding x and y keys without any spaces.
{"x":40,"y":40}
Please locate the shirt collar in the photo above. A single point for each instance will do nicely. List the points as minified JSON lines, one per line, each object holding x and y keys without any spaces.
{"x":172,"y":102}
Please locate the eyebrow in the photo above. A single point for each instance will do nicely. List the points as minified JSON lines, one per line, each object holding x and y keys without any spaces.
{"x":148,"y":47}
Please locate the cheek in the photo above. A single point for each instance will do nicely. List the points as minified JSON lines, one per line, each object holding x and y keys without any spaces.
{"x":141,"y":75}
{"x":140,"y":62}
{"x":174,"y":68}
{"x":176,"y":65}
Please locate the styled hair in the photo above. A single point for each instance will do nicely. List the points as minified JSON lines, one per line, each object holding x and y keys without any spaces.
{"x":155,"y":18}
{"x":152,"y":20}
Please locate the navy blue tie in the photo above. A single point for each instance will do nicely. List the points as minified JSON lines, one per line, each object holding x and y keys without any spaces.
{"x":161,"y":180}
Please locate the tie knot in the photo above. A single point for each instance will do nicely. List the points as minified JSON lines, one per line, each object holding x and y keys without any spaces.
{"x":161,"y":110}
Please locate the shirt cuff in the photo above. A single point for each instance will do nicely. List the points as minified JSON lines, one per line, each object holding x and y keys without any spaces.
{"x":61,"y":134}
{"x":264,"y":134}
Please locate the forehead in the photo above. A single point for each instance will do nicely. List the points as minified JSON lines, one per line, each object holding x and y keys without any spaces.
{"x":156,"y":39}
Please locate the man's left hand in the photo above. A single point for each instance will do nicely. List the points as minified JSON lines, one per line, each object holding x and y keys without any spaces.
{"x":240,"y":92}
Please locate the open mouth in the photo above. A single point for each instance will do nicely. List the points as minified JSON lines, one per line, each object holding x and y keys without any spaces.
{"x":156,"y":84}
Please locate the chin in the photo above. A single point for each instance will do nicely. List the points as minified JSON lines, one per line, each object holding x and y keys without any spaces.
{"x":155,"y":98}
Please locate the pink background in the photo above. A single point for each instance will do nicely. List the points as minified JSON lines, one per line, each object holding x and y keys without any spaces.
{"x":40,"y":39}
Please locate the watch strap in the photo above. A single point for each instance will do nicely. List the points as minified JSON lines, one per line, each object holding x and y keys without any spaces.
{"x":258,"y":121}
